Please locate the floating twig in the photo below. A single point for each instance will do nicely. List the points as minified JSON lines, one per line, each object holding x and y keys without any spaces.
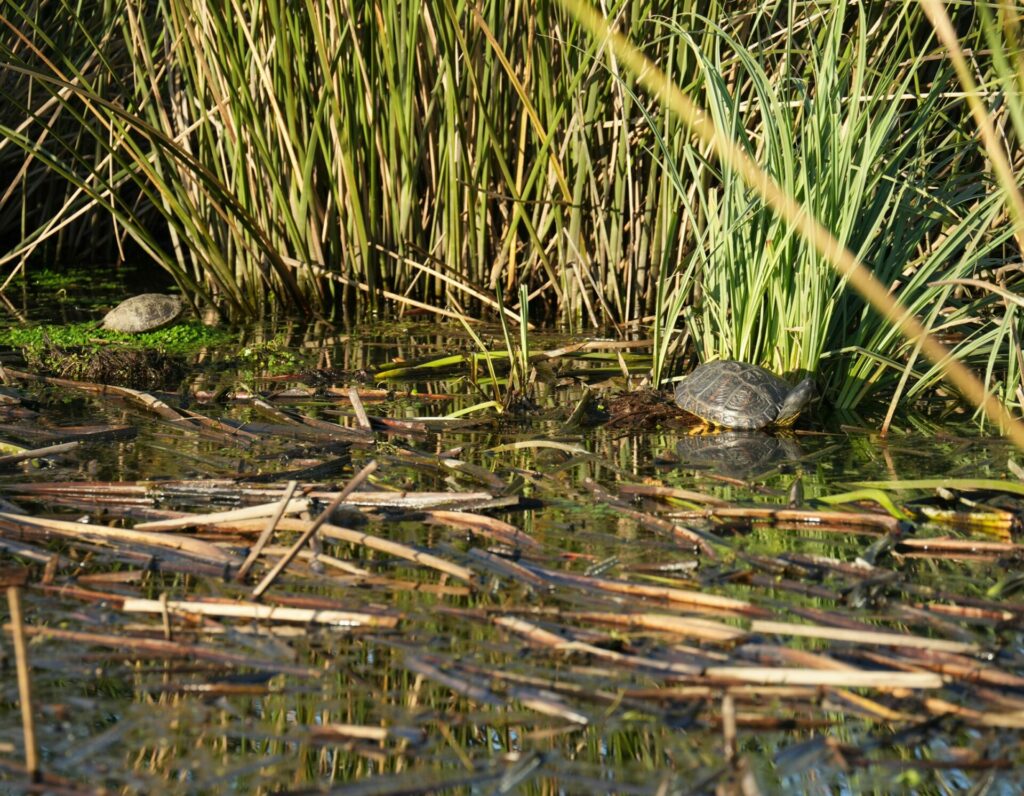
{"x":486,"y":526}
{"x":106,"y":535}
{"x":858,"y":636}
{"x":357,"y":407}
{"x":37,"y":453}
{"x":257,"y":611}
{"x":174,"y":649}
{"x":248,"y":513}
{"x":710,"y":602}
{"x":839,"y":519}
{"x":687,"y":626}
{"x":653,"y":490}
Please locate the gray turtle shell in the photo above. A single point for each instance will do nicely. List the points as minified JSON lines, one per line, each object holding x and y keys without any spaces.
{"x":143,"y":313}
{"x":733,"y":394}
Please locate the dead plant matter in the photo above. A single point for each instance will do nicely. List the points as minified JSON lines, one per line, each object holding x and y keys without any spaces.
{"x":121,"y":366}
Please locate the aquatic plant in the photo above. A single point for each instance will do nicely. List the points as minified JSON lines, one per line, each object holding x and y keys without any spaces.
{"x":186,"y":337}
{"x":868,"y":149}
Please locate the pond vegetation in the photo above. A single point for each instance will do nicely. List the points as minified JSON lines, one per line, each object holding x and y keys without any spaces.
{"x":308,"y":549}
{"x":515,"y":150}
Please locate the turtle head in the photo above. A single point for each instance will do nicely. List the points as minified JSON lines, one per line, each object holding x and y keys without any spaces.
{"x":795,"y":402}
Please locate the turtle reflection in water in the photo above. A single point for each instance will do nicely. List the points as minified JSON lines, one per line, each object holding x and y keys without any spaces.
{"x":737,"y":453}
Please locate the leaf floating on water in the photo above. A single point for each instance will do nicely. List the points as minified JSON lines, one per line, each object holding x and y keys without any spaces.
{"x":879,"y":496}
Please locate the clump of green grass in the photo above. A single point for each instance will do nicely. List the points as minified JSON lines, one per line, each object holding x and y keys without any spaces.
{"x":859,"y":128}
{"x":272,"y":356}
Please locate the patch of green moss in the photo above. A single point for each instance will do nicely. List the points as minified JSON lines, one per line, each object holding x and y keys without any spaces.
{"x":183,"y":338}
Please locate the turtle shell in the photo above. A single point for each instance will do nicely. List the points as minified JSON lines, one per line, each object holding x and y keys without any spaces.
{"x":733,"y":394}
{"x":143,"y":313}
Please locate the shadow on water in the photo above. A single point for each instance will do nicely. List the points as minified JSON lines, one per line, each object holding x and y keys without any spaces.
{"x":585,"y":610}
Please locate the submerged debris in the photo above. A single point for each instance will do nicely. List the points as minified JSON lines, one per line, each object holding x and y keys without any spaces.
{"x":646,"y":409}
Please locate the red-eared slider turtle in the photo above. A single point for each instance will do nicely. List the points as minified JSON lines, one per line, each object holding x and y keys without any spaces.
{"x":737,"y":395}
{"x":144,"y":313}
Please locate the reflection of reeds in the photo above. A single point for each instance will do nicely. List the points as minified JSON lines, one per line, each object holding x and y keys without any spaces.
{"x":427,"y":154}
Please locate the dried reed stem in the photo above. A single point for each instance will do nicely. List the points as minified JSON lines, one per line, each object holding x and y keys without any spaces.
{"x":24,"y":683}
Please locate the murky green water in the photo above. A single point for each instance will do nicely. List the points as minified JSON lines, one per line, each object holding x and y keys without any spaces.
{"x":456,"y":697}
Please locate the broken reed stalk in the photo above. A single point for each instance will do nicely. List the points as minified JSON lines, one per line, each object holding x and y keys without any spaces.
{"x":249,"y":512}
{"x":729,"y":727}
{"x":270,"y":613}
{"x":24,"y":682}
{"x":268,"y":531}
{"x":37,"y":453}
{"x":325,"y":515}
{"x":120,"y":538}
{"x":161,"y":649}
{"x":357,"y":406}
{"x":862,"y":637}
{"x":841,"y":519}
{"x":165,"y":617}
{"x":362,"y":538}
